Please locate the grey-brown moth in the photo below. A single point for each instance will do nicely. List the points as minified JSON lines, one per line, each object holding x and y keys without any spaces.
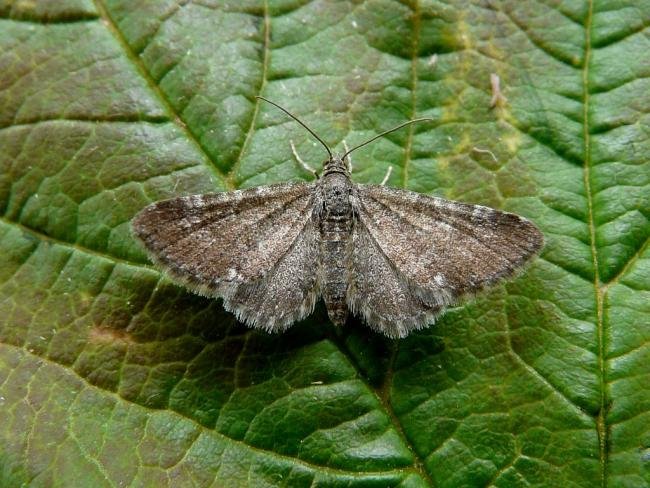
{"x":396,"y":258}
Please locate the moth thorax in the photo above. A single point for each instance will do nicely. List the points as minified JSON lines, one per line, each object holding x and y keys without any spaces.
{"x":336,"y":194}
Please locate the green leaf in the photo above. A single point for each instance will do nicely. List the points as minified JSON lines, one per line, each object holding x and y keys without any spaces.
{"x":111,"y":375}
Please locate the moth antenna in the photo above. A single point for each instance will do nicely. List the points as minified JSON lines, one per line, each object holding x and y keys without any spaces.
{"x":329,"y":151}
{"x":386,"y":132}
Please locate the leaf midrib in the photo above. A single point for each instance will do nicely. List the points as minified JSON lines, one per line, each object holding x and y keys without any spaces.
{"x":382,"y":394}
{"x":599,"y":290}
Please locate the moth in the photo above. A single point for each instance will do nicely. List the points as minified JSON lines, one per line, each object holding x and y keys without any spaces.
{"x":396,"y":258}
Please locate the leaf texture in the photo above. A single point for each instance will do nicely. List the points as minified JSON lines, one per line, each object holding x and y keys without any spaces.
{"x":110,"y":375}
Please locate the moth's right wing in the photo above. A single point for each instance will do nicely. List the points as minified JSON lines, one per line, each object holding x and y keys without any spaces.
{"x":255,"y":248}
{"x":417,"y":254}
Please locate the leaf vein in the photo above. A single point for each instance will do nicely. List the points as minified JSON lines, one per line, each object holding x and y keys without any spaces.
{"x":251,"y":128}
{"x":77,"y":247}
{"x":264,"y":452}
{"x":157,"y":91}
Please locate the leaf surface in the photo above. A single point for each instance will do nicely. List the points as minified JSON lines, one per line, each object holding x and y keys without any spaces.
{"x":111,"y":375}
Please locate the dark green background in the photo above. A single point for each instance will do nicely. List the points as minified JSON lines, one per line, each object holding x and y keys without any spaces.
{"x":110,"y":375}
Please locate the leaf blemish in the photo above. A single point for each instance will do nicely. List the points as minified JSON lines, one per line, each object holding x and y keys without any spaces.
{"x":108,"y":335}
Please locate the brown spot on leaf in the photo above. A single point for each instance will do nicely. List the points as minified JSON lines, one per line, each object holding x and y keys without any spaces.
{"x":107,"y":335}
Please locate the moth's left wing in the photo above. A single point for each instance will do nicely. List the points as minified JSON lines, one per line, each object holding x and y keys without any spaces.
{"x":444,"y":249}
{"x":255,"y":248}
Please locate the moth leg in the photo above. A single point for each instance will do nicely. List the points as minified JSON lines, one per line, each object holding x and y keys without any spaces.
{"x":348,"y":157}
{"x":301,"y":162}
{"x":385,"y":180}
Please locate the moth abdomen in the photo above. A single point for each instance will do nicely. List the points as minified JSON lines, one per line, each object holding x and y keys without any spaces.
{"x":335,"y":231}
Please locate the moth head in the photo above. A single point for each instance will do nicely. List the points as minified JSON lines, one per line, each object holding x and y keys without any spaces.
{"x":336,"y":163}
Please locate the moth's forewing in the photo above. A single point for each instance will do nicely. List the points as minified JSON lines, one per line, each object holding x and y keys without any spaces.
{"x":215,"y":243}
